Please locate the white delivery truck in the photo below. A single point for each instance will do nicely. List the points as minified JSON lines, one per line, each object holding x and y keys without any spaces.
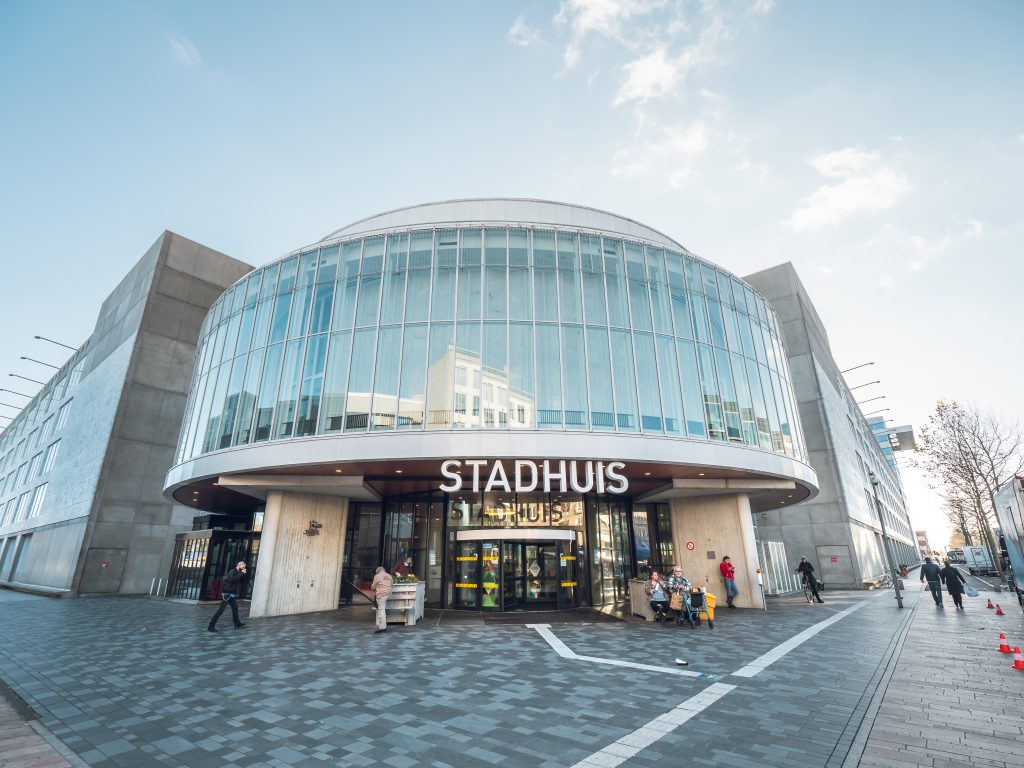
{"x":979,"y":561}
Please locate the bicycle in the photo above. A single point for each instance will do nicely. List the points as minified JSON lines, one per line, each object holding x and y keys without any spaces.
{"x":808,"y":592}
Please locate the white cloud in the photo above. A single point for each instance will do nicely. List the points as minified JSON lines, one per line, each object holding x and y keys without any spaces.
{"x":676,"y":151}
{"x":521,"y":34}
{"x":924,"y":249}
{"x":185,"y":52}
{"x":604,"y":17}
{"x":656,"y":75}
{"x":865,"y":183}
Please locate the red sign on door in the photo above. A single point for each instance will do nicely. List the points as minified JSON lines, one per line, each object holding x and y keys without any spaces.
{"x":104,"y":564}
{"x":835,"y":559}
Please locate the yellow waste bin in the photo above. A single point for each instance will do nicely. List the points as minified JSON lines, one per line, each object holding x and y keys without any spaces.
{"x":708,"y":614}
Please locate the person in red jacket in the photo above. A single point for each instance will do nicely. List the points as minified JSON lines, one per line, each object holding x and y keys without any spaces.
{"x":729,"y":577}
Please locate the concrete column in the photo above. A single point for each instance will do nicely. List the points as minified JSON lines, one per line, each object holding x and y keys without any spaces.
{"x":298,"y":572}
{"x":717,"y":526}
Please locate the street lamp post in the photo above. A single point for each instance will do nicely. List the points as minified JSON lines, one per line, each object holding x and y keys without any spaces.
{"x":15,"y":393}
{"x":885,"y":542}
{"x":48,"y":365}
{"x":26,"y":378}
{"x":59,"y":344}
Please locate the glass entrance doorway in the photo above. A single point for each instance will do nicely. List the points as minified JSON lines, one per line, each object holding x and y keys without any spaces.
{"x":516,"y":575}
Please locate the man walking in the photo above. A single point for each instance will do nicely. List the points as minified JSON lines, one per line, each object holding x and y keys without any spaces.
{"x":933,"y":574}
{"x":230,"y":589}
{"x":381,"y":586}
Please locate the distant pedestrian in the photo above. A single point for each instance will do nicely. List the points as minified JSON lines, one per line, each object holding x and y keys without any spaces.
{"x":404,"y":568}
{"x":729,"y":577}
{"x":933,"y":574}
{"x":231,"y":587}
{"x":954,"y":583}
{"x":381,"y":586}
{"x":806,"y":571}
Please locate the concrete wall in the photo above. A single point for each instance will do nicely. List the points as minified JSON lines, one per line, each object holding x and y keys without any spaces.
{"x":299,"y":573}
{"x":725,"y":528}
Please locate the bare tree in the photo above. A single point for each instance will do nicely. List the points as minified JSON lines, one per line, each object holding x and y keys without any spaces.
{"x":960,"y":513}
{"x":968,"y":455}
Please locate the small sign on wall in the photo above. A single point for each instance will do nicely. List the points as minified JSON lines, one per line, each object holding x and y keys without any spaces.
{"x":835,"y":559}
{"x":690,"y":546}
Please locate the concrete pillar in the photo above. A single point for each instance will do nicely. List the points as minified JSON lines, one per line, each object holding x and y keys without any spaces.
{"x":717,"y":526}
{"x":298,"y":572}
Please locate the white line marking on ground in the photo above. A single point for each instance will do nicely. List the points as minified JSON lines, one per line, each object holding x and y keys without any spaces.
{"x":776,"y":653}
{"x":567,"y":653}
{"x":622,"y":749}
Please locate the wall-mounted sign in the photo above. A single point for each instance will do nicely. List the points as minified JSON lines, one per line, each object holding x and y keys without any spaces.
{"x":690,"y":546}
{"x":560,"y":476}
{"x":314,"y":529}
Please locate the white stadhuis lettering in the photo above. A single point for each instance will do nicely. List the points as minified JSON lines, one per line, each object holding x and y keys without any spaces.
{"x":550,"y":475}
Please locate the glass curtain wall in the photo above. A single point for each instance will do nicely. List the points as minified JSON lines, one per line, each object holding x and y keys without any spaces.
{"x":495,"y":328}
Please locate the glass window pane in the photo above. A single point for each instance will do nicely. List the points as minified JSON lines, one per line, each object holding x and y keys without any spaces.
{"x":543,"y":248}
{"x":245,"y":330}
{"x":699,"y":315}
{"x":569,"y":296}
{"x":212,"y":427}
{"x":521,"y":399}
{"x":656,"y":265}
{"x":323,"y":299}
{"x":520,"y":293}
{"x":268,"y":393}
{"x":624,"y":379}
{"x":495,"y":246}
{"x":468,"y":305}
{"x":764,"y":437}
{"x":467,"y":375}
{"x":269,"y":287}
{"x":412,"y":391}
{"x":284,"y":413}
{"x":469,"y":247}
{"x":327,"y":271}
{"x":332,"y":410}
{"x":495,"y":293}
{"x":549,"y":383}
{"x":661,"y":308}
{"x":307,"y":268}
{"x":693,"y":275}
{"x":308,"y":412}
{"x":372,"y":262}
{"x":717,"y":327}
{"x":545,"y":294}
{"x":421,"y":250}
{"x":279,"y":321}
{"x":446,"y":246}
{"x":599,"y":376}
{"x":647,"y":377}
{"x":709,"y":388}
{"x":247,"y":398}
{"x":443,"y":297}
{"x":394,"y":293}
{"x":639,"y":305}
{"x":262,"y":323}
{"x":518,"y":247}
{"x":615,"y":283}
{"x":369,"y":299}
{"x":710,"y":279}
{"x":692,"y":398}
{"x":730,"y":402}
{"x":360,"y":381}
{"x":568,"y":251}
{"x":636,"y":268}
{"x":573,"y":364}
{"x":301,"y":303}
{"x":227,"y":422}
{"x":385,"y":385}
{"x":495,"y":379}
{"x":440,"y":369}
{"x":748,"y":425}
{"x":286,"y":282}
{"x":593,"y":298}
{"x":417,"y":297}
{"x":732,"y":328}
{"x":668,"y":378}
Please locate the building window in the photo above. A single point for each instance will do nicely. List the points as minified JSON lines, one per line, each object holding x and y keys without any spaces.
{"x":62,"y":415}
{"x":19,"y":512}
{"x":51,"y":456}
{"x":37,"y":500}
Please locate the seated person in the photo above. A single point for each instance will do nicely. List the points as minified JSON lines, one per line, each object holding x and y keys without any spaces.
{"x":678,"y":584}
{"x":656,"y":589}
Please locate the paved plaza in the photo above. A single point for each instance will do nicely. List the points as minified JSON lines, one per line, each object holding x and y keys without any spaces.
{"x":136,"y":682}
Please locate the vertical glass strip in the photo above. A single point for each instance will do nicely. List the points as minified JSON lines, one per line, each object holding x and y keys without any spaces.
{"x":332,"y":409}
{"x":624,"y":381}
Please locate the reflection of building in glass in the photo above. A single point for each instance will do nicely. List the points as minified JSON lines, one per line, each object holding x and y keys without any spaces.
{"x":333,"y":383}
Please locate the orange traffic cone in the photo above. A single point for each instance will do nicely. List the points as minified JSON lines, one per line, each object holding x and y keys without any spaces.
{"x":999,"y":611}
{"x":990,"y":603}
{"x":1004,"y":647}
{"x":1018,"y":660}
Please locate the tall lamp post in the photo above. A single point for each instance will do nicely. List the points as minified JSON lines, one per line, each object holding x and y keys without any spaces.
{"x":885,"y":541}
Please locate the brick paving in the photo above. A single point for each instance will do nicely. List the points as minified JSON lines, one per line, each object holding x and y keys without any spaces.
{"x":135,"y":682}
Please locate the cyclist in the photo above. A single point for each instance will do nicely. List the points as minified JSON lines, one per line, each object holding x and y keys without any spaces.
{"x":806,"y":571}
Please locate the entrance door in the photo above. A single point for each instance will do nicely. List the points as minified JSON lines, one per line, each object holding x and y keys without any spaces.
{"x":530,"y":575}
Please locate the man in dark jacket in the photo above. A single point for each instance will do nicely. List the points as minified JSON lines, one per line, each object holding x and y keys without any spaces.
{"x":230,"y":588}
{"x":806,"y":571}
{"x":933,"y":574}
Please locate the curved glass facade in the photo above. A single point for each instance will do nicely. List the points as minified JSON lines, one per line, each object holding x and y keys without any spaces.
{"x":493,"y":328}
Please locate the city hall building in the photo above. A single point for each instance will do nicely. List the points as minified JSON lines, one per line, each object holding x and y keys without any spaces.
{"x":534,"y":401}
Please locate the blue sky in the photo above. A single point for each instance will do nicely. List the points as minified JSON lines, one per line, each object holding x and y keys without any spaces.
{"x":879,"y":146}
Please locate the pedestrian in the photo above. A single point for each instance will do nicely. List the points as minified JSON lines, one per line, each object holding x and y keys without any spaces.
{"x":933,"y":574}
{"x":729,"y":577}
{"x":806,"y":571}
{"x":381,"y":586}
{"x":954,"y":583}
{"x":404,"y":567}
{"x":658,"y":592}
{"x":230,"y":587}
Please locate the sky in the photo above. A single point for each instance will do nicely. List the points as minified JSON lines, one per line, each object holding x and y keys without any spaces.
{"x":878,"y":146}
